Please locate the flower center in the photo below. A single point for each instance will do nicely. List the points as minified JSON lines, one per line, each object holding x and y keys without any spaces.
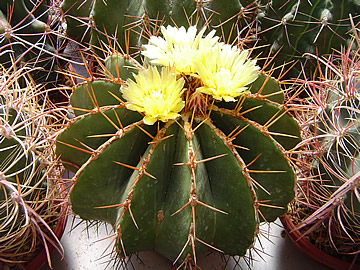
{"x":223,"y":75}
{"x":196,"y":102}
{"x":156,"y":94}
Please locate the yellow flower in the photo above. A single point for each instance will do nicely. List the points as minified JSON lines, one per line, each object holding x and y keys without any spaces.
{"x":225,"y":72}
{"x":156,"y":95}
{"x":178,"y":48}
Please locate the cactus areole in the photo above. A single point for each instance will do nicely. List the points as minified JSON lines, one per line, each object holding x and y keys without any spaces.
{"x":188,"y":155}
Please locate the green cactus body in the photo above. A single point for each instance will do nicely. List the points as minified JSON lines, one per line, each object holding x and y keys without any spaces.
{"x":182,"y":185}
{"x":292,"y":28}
{"x":123,"y":12}
{"x":28,"y":35}
{"x":76,"y":14}
{"x":118,"y":67}
{"x":11,"y":145}
{"x":106,"y":21}
{"x":299,"y":27}
{"x":229,"y":18}
{"x":133,"y":19}
{"x":31,"y":26}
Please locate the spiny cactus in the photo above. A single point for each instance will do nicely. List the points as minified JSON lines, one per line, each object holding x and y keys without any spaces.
{"x":98,"y":22}
{"x":294,"y":28}
{"x":329,"y":189}
{"x":289,"y":28}
{"x":185,"y":156}
{"x":29,"y":197}
{"x":127,"y":24}
{"x":29,"y":36}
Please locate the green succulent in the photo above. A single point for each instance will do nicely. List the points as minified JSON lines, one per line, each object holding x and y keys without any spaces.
{"x":29,"y":37}
{"x":174,"y":164}
{"x":285,"y":30}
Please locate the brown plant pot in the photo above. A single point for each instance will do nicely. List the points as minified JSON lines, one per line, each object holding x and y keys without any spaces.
{"x":41,"y":258}
{"x":307,"y":248}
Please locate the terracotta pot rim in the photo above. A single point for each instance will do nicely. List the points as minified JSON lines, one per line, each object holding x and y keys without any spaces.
{"x":307,"y":248}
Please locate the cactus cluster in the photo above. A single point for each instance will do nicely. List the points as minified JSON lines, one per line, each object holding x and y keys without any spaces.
{"x":181,"y":144}
{"x":295,"y":28}
{"x":328,"y":196}
{"x":183,"y":155}
{"x":128,"y":23}
{"x":29,"y":196}
{"x":285,"y":29}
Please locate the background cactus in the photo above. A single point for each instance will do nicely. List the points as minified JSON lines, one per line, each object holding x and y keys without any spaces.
{"x":287,"y":29}
{"x":29,"y":196}
{"x":328,"y":203}
{"x":133,"y":22}
{"x":202,"y":181}
{"x":30,"y":34}
{"x":294,"y":28}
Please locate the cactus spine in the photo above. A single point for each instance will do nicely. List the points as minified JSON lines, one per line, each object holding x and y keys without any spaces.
{"x":295,"y":28}
{"x":329,"y":193}
{"x":29,"y":35}
{"x":28,"y":193}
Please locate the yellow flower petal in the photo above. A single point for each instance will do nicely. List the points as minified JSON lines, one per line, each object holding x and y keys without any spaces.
{"x":149,"y":120}
{"x":225,"y":72}
{"x":157,"y":95}
{"x":178,"y":48}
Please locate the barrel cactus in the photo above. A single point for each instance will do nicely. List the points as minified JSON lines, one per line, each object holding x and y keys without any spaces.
{"x":128,"y":23}
{"x":329,"y":194}
{"x":287,"y":29}
{"x":185,"y":154}
{"x":296,"y":28}
{"x":29,"y":197}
